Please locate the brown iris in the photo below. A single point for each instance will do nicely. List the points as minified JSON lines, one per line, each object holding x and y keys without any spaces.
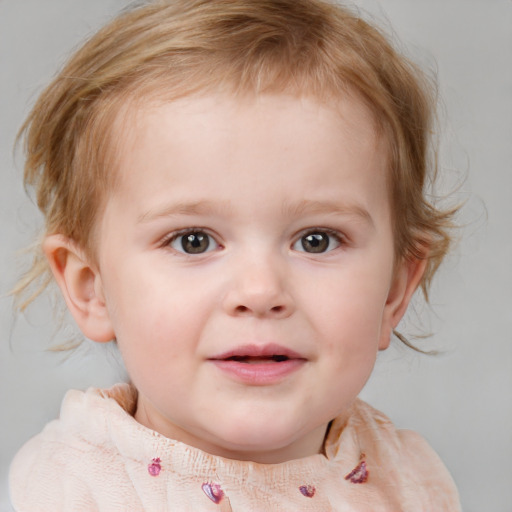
{"x":195,"y":243}
{"x":315,"y":242}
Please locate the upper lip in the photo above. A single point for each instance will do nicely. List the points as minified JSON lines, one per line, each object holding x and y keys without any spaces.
{"x":258,"y":351}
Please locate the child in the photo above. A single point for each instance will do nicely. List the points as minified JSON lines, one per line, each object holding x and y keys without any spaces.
{"x":234,"y":193}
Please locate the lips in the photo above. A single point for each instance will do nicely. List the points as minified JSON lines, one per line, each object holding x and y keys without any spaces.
{"x":259,"y":364}
{"x":276,"y":358}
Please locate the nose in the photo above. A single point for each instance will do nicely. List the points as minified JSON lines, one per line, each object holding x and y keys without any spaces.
{"x":259,"y":289}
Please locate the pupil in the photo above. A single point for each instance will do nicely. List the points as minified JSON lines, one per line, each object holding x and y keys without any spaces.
{"x":315,"y":242}
{"x":195,"y":243}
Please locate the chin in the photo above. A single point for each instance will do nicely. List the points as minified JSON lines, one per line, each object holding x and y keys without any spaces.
{"x":259,"y":439}
{"x":258,"y":443}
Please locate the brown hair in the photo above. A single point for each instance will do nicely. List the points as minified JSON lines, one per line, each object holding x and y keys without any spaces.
{"x":173,"y":48}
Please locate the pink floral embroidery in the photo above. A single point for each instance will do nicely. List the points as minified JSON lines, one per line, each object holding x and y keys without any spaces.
{"x":307,"y":490}
{"x":359,"y":475}
{"x":213,"y":491}
{"x":154,"y":467}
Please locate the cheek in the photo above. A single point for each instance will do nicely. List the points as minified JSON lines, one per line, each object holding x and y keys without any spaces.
{"x":348,"y":303}
{"x":349,"y":310}
{"x":157,"y":319}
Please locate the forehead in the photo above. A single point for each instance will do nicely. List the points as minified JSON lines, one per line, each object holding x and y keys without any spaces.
{"x":270,"y":144}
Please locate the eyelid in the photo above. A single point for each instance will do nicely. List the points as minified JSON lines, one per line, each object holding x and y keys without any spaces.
{"x":340,"y":238}
{"x":169,"y":238}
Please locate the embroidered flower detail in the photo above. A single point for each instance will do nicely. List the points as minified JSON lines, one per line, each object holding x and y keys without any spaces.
{"x":154,"y":467}
{"x":307,"y":490}
{"x":359,"y":475}
{"x":213,"y":491}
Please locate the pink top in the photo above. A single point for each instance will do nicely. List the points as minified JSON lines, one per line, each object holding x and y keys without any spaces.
{"x":97,"y":457}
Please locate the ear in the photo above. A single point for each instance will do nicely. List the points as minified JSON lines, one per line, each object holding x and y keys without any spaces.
{"x":81,"y":286}
{"x":406,"y":280}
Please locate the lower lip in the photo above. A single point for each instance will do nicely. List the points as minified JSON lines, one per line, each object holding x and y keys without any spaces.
{"x":261,"y":373}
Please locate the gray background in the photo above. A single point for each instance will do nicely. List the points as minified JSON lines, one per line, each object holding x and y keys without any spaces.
{"x":461,"y":400}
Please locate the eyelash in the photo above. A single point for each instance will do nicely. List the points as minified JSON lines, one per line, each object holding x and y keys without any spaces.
{"x":339,"y":238}
{"x":316,"y":242}
{"x":169,"y":239}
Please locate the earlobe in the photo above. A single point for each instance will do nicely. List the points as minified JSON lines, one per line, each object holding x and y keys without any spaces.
{"x":406,"y":280}
{"x":81,"y":286}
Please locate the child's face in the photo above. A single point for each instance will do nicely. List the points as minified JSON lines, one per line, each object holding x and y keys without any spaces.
{"x":242,"y":230}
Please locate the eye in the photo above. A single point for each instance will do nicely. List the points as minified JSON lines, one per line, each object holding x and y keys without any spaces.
{"x":317,"y":241}
{"x":192,"y":242}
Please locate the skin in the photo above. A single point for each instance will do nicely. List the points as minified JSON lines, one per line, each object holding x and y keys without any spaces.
{"x":255,"y":177}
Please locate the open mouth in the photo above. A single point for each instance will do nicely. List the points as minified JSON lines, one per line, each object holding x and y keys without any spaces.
{"x":277,"y":358}
{"x":255,"y":354}
{"x":259,"y":365}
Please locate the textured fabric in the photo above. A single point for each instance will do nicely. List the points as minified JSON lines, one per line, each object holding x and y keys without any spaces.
{"x":97,"y":457}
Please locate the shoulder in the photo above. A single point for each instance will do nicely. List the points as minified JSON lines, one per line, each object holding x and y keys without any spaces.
{"x":65,"y":464}
{"x":39,"y":475}
{"x":403,"y":459}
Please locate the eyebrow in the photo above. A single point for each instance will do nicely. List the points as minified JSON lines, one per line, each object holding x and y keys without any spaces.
{"x":192,"y":208}
{"x":303,"y":207}
{"x":328,"y":207}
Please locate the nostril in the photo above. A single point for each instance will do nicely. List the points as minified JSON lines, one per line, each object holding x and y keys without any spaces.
{"x":241,"y":309}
